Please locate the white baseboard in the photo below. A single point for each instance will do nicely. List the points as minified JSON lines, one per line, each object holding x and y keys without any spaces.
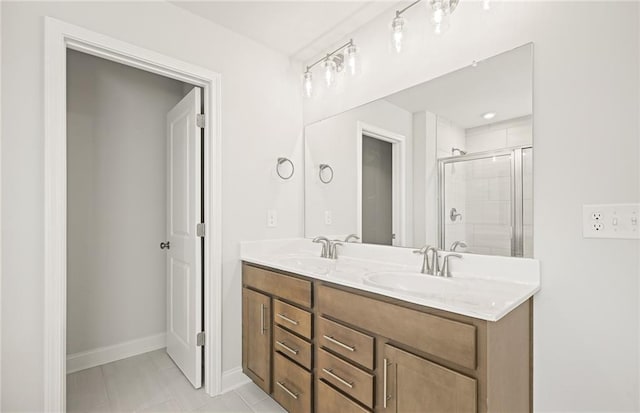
{"x":232,"y":379}
{"x":103,"y":355}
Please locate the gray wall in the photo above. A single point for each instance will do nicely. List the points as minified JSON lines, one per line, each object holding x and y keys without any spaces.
{"x":116,"y":201}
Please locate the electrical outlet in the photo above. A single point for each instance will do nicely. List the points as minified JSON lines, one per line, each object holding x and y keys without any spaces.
{"x":272,"y":218}
{"x":611,"y":221}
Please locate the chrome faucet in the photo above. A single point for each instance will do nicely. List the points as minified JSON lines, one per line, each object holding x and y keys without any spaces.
{"x":333,"y":249}
{"x":446,"y":270}
{"x":429,"y":267}
{"x":425,"y":259}
{"x":326,"y":245}
{"x":434,"y":269}
{"x":457,"y":244}
{"x":350,"y":237}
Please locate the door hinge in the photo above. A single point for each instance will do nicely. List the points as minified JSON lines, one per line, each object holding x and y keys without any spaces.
{"x":200,"y":229}
{"x":200,"y":339}
{"x":200,"y":120}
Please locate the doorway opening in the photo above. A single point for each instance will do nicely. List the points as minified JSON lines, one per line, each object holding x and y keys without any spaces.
{"x":381,"y":185}
{"x":134,"y":203}
{"x":194,"y":141}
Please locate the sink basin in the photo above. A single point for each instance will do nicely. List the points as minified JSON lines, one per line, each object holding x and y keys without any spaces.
{"x":410,"y":282}
{"x":316,"y":265}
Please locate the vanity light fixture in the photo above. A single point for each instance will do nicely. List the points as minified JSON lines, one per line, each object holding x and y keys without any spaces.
{"x":489,"y":115}
{"x":440,"y":12}
{"x":307,"y":83}
{"x":332,"y":64}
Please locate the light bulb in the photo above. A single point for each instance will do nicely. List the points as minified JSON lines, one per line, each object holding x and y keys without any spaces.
{"x":329,"y":72}
{"x":351,"y":56}
{"x":397,"y":32}
{"x":486,"y":5}
{"x":307,"y":84}
{"x":441,"y":9}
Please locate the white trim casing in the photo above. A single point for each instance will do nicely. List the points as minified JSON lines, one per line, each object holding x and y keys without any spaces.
{"x":58,"y":37}
{"x":399,"y":179}
{"x":103,"y":355}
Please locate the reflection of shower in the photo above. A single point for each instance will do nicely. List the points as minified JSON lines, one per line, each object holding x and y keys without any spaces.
{"x":460,"y":152}
{"x":454,"y":215}
{"x":492,"y":188}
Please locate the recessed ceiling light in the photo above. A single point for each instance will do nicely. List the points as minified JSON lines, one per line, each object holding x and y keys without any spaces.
{"x":489,"y":115}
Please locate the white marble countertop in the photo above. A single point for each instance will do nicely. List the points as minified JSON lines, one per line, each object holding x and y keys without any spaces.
{"x":484,"y":287}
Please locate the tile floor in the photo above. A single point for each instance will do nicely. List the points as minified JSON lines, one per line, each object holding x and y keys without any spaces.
{"x":151,"y":382}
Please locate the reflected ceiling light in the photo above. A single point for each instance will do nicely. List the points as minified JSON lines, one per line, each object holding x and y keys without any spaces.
{"x":486,"y":5}
{"x":489,"y":115}
{"x":332,"y":64}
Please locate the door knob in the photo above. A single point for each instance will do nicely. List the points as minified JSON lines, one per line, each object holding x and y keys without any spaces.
{"x":165,"y":245}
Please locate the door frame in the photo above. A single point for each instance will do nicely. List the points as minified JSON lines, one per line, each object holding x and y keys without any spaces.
{"x":58,"y":37}
{"x":399,"y":178}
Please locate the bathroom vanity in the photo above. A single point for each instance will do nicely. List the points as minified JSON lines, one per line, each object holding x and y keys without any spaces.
{"x":321,"y":336}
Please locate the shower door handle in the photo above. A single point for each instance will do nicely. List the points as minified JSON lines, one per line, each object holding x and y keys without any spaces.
{"x":165,"y":245}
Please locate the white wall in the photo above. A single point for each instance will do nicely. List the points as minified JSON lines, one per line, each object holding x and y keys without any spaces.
{"x":261,"y":120}
{"x":586,"y":137}
{"x":498,"y":135}
{"x":116,"y":192}
{"x":333,"y":141}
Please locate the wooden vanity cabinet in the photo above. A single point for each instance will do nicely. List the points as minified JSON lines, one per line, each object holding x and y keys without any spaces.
{"x":277,"y":328}
{"x":338,"y":349}
{"x":414,"y":384}
{"x":256,"y":337}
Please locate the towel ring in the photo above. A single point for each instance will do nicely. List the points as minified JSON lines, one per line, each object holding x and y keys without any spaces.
{"x":324,"y":166}
{"x":282,"y":161}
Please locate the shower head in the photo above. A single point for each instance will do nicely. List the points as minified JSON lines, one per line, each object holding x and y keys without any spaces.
{"x":460,"y":151}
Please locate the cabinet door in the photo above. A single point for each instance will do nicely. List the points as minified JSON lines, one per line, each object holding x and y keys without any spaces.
{"x":413,"y":384}
{"x":256,"y":337}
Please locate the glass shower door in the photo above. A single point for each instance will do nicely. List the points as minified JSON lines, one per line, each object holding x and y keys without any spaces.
{"x":477,"y":203}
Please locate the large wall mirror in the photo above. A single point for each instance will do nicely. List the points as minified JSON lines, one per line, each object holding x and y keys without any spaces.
{"x":447,"y":163}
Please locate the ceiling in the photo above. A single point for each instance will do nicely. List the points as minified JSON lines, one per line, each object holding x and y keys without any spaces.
{"x":500,"y":84}
{"x":299,"y":29}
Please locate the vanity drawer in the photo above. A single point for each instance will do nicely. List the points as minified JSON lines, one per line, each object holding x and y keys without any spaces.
{"x":292,"y":346}
{"x":447,"y":339}
{"x":289,"y":288}
{"x":347,"y":342}
{"x":331,"y":401}
{"x":353,"y":381}
{"x":292,"y":318}
{"x":291,"y":385}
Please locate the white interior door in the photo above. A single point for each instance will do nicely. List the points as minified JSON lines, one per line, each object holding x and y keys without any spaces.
{"x":184,"y":262}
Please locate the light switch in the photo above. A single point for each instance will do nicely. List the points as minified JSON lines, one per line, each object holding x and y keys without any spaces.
{"x":611,"y":221}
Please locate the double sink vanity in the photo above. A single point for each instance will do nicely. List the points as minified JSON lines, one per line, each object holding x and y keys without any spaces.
{"x":369,"y":332}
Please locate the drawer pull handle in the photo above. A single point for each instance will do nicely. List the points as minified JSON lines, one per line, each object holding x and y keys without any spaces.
{"x":289,"y":392}
{"x":340,"y":379}
{"x":285,"y":318}
{"x":262,"y":326}
{"x":286,"y":347}
{"x":385,"y":397}
{"x":341,"y":344}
